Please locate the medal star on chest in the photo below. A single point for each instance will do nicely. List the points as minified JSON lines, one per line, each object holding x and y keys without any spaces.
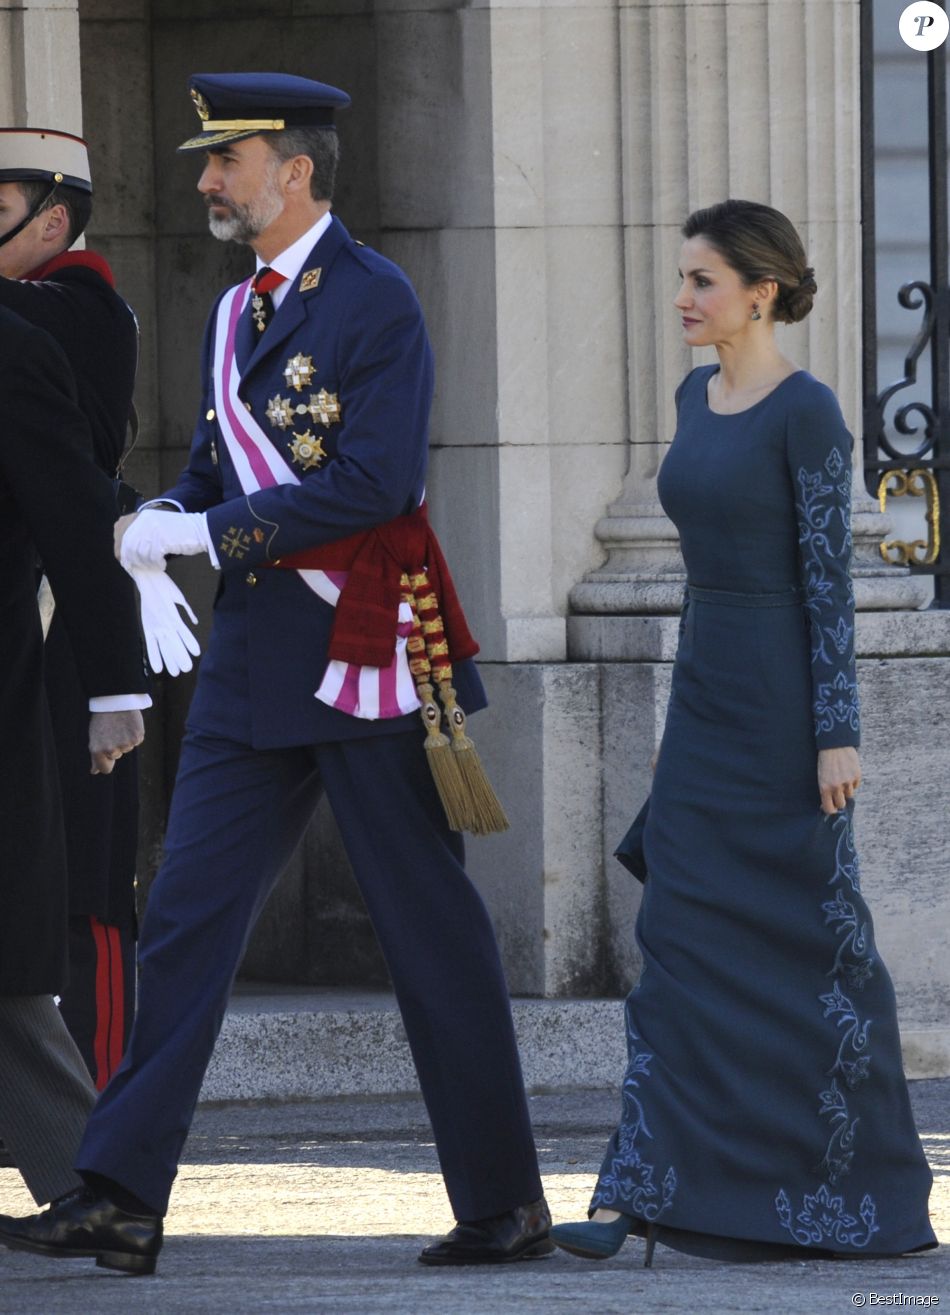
{"x":299,"y":372}
{"x":307,"y":450}
{"x":323,"y":409}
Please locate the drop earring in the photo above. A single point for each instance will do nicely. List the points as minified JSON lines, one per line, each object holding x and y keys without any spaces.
{"x":756,"y":313}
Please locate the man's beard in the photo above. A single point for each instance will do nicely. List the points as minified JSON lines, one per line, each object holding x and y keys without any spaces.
{"x":244,"y":223}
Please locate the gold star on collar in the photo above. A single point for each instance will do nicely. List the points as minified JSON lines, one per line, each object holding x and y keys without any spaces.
{"x":306,"y":450}
{"x":299,"y":372}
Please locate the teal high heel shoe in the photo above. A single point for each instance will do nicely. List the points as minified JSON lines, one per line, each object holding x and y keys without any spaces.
{"x":596,"y":1241}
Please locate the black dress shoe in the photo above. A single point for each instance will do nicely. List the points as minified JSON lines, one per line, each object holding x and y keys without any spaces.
{"x":83,"y":1224}
{"x":521,"y":1234}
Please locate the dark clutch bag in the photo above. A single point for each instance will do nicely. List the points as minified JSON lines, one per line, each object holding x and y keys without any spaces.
{"x":630,"y":850}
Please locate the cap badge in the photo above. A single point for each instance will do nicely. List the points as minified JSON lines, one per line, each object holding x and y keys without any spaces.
{"x":309,"y":279}
{"x":299,"y":372}
{"x":201,"y":105}
{"x":306,"y":450}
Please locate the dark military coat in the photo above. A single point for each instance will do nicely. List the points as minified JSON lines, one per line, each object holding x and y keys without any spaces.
{"x":351,"y":327}
{"x":72,"y":298}
{"x":53,"y":502}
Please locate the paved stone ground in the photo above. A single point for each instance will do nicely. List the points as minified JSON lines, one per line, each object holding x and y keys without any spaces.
{"x":323,"y":1206}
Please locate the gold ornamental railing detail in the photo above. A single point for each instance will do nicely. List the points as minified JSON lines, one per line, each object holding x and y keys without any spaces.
{"x":916,"y":483}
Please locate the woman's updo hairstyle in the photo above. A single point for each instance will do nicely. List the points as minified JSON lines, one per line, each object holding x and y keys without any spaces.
{"x":759,"y":243}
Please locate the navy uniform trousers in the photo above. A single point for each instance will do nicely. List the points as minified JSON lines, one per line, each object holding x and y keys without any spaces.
{"x":236,"y":817}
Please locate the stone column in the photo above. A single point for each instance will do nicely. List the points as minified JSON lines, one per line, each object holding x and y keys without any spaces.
{"x":757,"y":99}
{"x":500,"y":193}
{"x":39,"y":64}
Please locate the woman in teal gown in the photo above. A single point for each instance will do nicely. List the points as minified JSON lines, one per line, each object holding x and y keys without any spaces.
{"x":765,"y":1112}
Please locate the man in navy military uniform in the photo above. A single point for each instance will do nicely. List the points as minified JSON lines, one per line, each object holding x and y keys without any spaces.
{"x":45,"y":203}
{"x":317,"y":383}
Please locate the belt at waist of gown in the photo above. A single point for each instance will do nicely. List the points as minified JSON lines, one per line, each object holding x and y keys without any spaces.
{"x":728,"y":598}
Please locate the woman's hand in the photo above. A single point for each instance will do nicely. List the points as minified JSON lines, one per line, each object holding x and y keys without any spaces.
{"x":839,"y":775}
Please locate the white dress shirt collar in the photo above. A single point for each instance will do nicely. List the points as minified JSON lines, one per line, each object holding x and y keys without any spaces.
{"x":291,"y":260}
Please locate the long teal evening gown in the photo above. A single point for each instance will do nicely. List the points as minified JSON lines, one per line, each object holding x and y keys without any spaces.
{"x":764,"y":1105}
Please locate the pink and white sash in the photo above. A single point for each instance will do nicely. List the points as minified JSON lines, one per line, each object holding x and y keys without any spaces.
{"x":372,"y":693}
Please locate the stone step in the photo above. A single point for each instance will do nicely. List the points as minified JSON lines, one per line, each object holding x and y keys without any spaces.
{"x":289,"y":1043}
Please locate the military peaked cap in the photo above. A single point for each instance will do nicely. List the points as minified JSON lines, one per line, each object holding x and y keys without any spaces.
{"x":236,"y":105}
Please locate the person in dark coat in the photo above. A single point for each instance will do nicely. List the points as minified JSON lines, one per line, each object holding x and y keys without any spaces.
{"x":304,"y":486}
{"x":55,"y":504}
{"x":45,"y":203}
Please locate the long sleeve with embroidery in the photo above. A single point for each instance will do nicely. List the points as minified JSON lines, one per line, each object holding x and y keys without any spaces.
{"x":818,"y":450}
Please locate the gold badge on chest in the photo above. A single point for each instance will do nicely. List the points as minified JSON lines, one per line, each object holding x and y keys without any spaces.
{"x":280,"y":411}
{"x":307,"y":450}
{"x":299,"y":372}
{"x":323,"y":409}
{"x":310,"y":279}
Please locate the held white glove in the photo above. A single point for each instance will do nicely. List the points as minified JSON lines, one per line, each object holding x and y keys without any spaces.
{"x":154,"y":535}
{"x":168,"y":640}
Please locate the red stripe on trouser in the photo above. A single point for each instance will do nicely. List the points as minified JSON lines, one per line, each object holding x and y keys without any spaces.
{"x":110,"y":1001}
{"x":117,"y":1027}
{"x":103,"y":1003}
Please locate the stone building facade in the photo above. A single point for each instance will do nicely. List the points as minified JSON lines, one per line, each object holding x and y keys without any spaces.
{"x":529,"y":163}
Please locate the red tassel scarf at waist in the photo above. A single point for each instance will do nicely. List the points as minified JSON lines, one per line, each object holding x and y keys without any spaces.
{"x":376,"y":560}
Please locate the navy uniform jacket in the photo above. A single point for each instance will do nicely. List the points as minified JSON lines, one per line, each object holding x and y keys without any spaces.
{"x":52,"y":501}
{"x":362,"y":329}
{"x":80,"y":310}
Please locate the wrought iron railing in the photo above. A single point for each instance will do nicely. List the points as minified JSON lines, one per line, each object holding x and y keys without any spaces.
{"x":919,"y":466}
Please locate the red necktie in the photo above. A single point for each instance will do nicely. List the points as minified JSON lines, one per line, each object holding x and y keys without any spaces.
{"x":262,"y":285}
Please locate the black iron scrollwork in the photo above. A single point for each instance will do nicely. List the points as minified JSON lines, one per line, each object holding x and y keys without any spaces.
{"x":919,"y":468}
{"x":901,"y":420}
{"x":902,"y":416}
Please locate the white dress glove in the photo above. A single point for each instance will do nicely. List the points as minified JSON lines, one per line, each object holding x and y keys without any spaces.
{"x":154,"y":535}
{"x":168,"y":640}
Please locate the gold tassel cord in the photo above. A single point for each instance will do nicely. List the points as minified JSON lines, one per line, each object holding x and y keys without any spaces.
{"x":441,"y":760}
{"x":487,"y":814}
{"x":442,"y":763}
{"x":472,"y":802}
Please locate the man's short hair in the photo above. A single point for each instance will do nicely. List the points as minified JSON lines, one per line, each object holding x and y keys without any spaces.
{"x":322,"y":145}
{"x":77,"y":202}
